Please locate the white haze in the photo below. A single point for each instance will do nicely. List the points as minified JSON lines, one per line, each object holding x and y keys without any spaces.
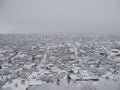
{"x":59,"y":16}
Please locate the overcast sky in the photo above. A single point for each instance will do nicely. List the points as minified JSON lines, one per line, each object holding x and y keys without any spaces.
{"x":59,"y":16}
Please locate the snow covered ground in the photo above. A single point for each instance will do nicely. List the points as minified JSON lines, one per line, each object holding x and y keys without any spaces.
{"x":81,"y":85}
{"x":15,"y":85}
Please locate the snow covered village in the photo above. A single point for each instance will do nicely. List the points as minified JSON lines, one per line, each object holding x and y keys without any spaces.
{"x":59,"y":44}
{"x":72,"y":62}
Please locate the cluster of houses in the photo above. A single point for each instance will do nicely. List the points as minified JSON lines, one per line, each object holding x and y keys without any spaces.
{"x":35,"y":65}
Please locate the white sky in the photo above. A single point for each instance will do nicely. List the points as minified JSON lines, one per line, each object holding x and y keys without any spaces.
{"x":59,"y":16}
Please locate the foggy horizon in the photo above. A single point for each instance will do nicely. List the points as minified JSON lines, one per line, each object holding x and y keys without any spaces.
{"x":60,"y":16}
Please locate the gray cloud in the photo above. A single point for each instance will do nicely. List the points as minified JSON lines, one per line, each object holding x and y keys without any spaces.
{"x":59,"y":16}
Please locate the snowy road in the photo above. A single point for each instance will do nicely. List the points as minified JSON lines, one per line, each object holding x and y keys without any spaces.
{"x":45,"y":55}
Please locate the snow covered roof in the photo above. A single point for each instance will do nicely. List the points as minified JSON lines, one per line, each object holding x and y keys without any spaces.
{"x":34,"y":82}
{"x":17,"y":81}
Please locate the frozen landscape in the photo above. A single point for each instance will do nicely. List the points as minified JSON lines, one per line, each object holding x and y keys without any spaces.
{"x":59,"y":44}
{"x":59,"y":62}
